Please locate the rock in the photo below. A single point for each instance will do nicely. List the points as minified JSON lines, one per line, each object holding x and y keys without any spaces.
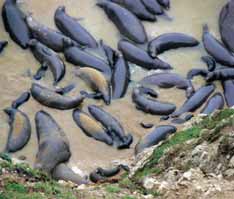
{"x":231,"y":162}
{"x":149,"y":183}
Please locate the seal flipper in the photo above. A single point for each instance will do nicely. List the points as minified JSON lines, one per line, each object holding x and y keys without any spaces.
{"x":91,"y":95}
{"x":66,"y":89}
{"x":3,"y":44}
{"x":41,"y":72}
{"x":21,"y":100}
{"x":127,"y":142}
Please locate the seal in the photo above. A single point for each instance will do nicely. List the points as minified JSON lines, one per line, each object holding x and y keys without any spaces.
{"x":166,"y":80}
{"x":210,"y":62}
{"x":216,"y":48}
{"x":3,"y":44}
{"x":216,"y":102}
{"x":115,"y":129}
{"x":24,"y":97}
{"x":126,"y":22}
{"x":90,"y":127}
{"x":51,"y":38}
{"x":110,"y":53}
{"x":137,"y":8}
{"x":153,"y":6}
{"x":120,"y":78}
{"x":48,"y":58}
{"x":53,"y":143}
{"x":97,"y":81}
{"x":55,"y":100}
{"x":140,"y":57}
{"x":221,"y":74}
{"x":196,"y":100}
{"x":164,"y":3}
{"x":72,"y":28}
{"x":63,"y":172}
{"x":196,"y":72}
{"x":13,"y":19}
{"x":82,"y":58}
{"x":150,"y":105}
{"x":170,"y":41}
{"x":228,"y":87}
{"x":159,"y":134}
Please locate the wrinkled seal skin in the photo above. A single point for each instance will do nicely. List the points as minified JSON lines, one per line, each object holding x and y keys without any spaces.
{"x":52,"y":99}
{"x":228,"y":87}
{"x":140,"y":57}
{"x":53,"y":143}
{"x":150,"y":105}
{"x":137,"y":8}
{"x":71,"y":28}
{"x":3,"y":44}
{"x":120,"y":78}
{"x":14,"y":23}
{"x":90,"y":127}
{"x":153,"y":6}
{"x":126,"y":22}
{"x":196,"y":100}
{"x":216,"y":49}
{"x":216,"y":102}
{"x":170,"y":41}
{"x":164,"y":3}
{"x":82,"y":58}
{"x":159,"y":134}
{"x":166,"y":80}
{"x":20,"y":130}
{"x":97,"y":82}
{"x":221,"y":74}
{"x":63,"y":172}
{"x":49,"y":58}
{"x":195,"y":72}
{"x":210,"y":62}
{"x":226,"y":25}
{"x":51,"y":38}
{"x":115,"y":129}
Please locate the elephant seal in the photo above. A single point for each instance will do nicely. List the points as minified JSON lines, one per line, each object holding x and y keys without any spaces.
{"x":63,"y":172}
{"x":126,"y":22}
{"x":137,"y":8}
{"x":153,"y":6}
{"x":166,"y":80}
{"x":13,"y":19}
{"x":48,"y":58}
{"x":150,"y":105}
{"x":210,"y":62}
{"x":159,"y":134}
{"x":20,"y":129}
{"x":90,"y":127}
{"x":170,"y":41}
{"x":3,"y":44}
{"x":97,"y":81}
{"x":221,"y":74}
{"x":197,"y":99}
{"x":216,"y":49}
{"x":71,"y":28}
{"x":115,"y":129}
{"x":53,"y":39}
{"x":55,"y":100}
{"x":195,"y":72}
{"x":82,"y":58}
{"x":24,"y":97}
{"x":120,"y":78}
{"x":164,"y":3}
{"x":216,"y":102}
{"x":110,"y":53}
{"x":53,"y":144}
{"x":226,"y":25}
{"x":228,"y":87}
{"x":140,"y":57}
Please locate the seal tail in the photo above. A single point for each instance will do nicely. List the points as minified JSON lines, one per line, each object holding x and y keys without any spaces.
{"x":205,"y":28}
{"x":21,"y":100}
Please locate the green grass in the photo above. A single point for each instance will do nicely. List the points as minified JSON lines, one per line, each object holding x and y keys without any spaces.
{"x":113,"y":189}
{"x":128,"y":197}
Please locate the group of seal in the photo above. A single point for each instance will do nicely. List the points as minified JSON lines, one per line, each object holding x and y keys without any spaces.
{"x":108,"y":74}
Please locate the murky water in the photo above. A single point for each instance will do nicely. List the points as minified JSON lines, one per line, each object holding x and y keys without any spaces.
{"x":87,"y":154}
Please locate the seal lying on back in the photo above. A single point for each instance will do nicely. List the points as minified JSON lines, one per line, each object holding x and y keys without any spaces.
{"x":159,"y":134}
{"x":140,"y":57}
{"x":14,"y":23}
{"x":196,"y":100}
{"x":150,"y":105}
{"x":216,"y":49}
{"x":166,"y":80}
{"x":49,"y":37}
{"x":71,"y":27}
{"x":126,"y":22}
{"x":170,"y":41}
{"x":221,"y":74}
{"x":53,"y":143}
{"x":52,"y":99}
{"x":137,"y":8}
{"x":216,"y":102}
{"x":115,"y":129}
{"x":90,"y":127}
{"x":228,"y":87}
{"x":48,"y":58}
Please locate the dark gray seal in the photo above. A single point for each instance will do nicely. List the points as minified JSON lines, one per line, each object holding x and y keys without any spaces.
{"x":221,"y":74}
{"x":228,"y":87}
{"x":164,"y":3}
{"x":153,"y":6}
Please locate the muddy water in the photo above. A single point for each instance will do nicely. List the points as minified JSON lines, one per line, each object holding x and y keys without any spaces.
{"x":16,"y":66}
